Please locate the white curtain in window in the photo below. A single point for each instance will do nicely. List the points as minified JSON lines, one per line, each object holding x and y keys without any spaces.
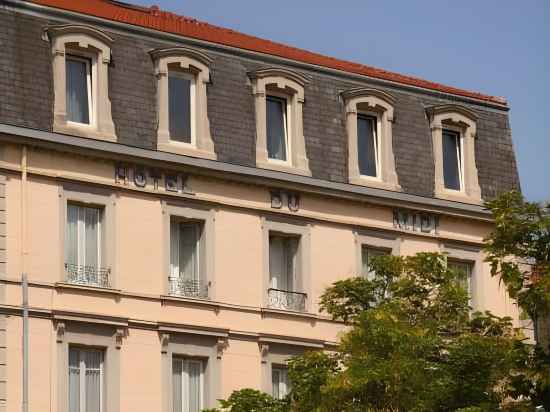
{"x":91,"y":225}
{"x":77,"y":72}
{"x":177,"y":384}
{"x":93,"y":380}
{"x":71,"y":242}
{"x":194,"y":371}
{"x":74,"y":380}
{"x":188,"y":251}
{"x":282,"y":257}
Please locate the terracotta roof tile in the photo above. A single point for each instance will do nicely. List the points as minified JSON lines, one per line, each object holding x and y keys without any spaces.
{"x":154,"y":18}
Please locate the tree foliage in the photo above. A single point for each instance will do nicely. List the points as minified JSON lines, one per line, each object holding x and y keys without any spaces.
{"x":518,"y":250}
{"x":412,"y":344}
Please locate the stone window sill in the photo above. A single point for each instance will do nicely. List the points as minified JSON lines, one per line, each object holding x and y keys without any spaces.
{"x":283,"y":168}
{"x":74,"y":129}
{"x":90,"y":288}
{"x":371,"y":182}
{"x":186,"y":150}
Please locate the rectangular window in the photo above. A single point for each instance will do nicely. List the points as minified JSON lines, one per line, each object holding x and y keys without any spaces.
{"x":452,"y":160}
{"x":185,"y":258}
{"x":83,"y":245}
{"x":283,"y":251}
{"x":78,"y":89}
{"x":280,"y":381}
{"x":465,"y":270}
{"x":180,"y":91}
{"x":367,"y":145}
{"x":277,"y":128}
{"x":187,"y":385}
{"x":367,"y":253}
{"x":86,"y":386}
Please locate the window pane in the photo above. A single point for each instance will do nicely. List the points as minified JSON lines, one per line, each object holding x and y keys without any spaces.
{"x":91,"y":225}
{"x":188,"y":251}
{"x":93,"y":380}
{"x":464,"y":270}
{"x":276,"y":128}
{"x":280,"y":382}
{"x":179,"y":93}
{"x":77,"y":90}
{"x":451,"y":160}
{"x":174,"y":249}
{"x":74,"y":380}
{"x":275,"y":379}
{"x":71,"y":240}
{"x":282,"y":256}
{"x":367,"y":253}
{"x":366,"y":145}
{"x":176,"y":384}
{"x":194,"y":371}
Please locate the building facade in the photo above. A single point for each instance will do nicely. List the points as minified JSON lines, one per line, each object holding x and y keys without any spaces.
{"x":175,"y":197}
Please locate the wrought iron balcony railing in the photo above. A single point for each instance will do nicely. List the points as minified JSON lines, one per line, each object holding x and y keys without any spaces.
{"x":188,"y":288}
{"x":88,"y":275}
{"x":286,"y":300}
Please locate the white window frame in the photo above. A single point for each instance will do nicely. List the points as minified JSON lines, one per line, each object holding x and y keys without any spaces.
{"x":90,"y":59}
{"x":185,"y":382}
{"x":192,"y":107}
{"x":282,"y":383}
{"x":199,"y":226}
{"x":82,"y":377}
{"x":460,"y":156}
{"x":377,"y":147}
{"x":365,"y":246}
{"x":287,"y":118}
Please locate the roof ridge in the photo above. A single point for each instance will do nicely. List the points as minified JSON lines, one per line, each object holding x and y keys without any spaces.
{"x":155,"y":18}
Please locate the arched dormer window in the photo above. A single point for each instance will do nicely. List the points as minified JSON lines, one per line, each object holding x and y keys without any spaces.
{"x":369,"y":118}
{"x":453,"y":132}
{"x":279,"y":98}
{"x":183,"y":125}
{"x":81,"y":57}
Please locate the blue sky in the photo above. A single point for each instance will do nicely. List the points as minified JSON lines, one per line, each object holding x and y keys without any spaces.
{"x":498,"y":47}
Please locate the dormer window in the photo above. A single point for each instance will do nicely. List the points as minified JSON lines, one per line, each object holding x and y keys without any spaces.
{"x":279,"y":100}
{"x":453,"y":168}
{"x":81,"y":57}
{"x":181,"y":95}
{"x":453,"y":134}
{"x":369,"y":118}
{"x":367,"y":145}
{"x":183,"y":125}
{"x":79,"y":89}
{"x":277,"y":128}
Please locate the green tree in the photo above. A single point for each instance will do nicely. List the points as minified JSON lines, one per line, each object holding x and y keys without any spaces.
{"x":518,"y":250}
{"x":412,"y":345}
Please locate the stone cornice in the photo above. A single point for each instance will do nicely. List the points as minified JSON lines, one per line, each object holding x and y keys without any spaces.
{"x":181,"y":51}
{"x":279,"y":72}
{"x":51,"y":32}
{"x":367,"y":91}
{"x":451,"y":108}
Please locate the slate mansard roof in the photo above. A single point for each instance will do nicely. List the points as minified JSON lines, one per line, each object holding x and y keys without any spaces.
{"x":27,"y":91}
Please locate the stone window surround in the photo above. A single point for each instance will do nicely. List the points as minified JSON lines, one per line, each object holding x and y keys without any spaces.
{"x":93,"y":336}
{"x":95,"y":44}
{"x":290,"y":84}
{"x":91,"y":196}
{"x":377,"y":240}
{"x":288,"y":227}
{"x":462,"y":120}
{"x":473,"y":255}
{"x":197,"y":64}
{"x":208,"y":348}
{"x":196,"y":213}
{"x":380,"y":105}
